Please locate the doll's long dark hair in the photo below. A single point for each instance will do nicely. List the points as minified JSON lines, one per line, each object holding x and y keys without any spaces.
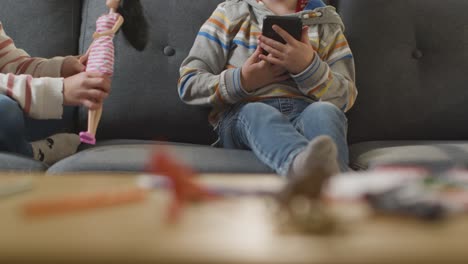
{"x":135,"y":27}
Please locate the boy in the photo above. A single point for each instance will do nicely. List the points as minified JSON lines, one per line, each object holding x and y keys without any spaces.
{"x":287,"y":107}
{"x":39,"y":88}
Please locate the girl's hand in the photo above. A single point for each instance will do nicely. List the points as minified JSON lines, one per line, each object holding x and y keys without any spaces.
{"x":97,"y":35}
{"x":87,"y":89}
{"x":295,"y":56}
{"x":84,"y":58}
{"x":71,"y":66}
{"x":256,"y":73}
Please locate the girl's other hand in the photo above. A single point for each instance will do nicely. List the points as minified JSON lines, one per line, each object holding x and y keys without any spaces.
{"x":96,"y":35}
{"x":71,"y":66}
{"x":84,"y":58}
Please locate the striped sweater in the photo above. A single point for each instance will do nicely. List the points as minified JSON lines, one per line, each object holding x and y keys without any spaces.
{"x":26,"y":80}
{"x":210,"y":75}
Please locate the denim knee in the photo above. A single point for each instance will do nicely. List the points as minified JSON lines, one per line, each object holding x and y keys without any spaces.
{"x":323,"y":111}
{"x":11,"y":119}
{"x":256,"y":110}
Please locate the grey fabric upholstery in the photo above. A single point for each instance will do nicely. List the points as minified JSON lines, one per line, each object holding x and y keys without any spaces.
{"x":45,"y":28}
{"x":16,"y":163}
{"x":434,"y":154}
{"x":131,"y":156}
{"x":144,"y":103}
{"x":412,"y":69}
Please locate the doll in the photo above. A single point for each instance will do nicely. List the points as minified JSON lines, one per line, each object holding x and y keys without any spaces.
{"x":100,"y":55}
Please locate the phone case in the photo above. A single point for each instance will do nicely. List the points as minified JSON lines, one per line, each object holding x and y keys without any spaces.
{"x":293,"y":25}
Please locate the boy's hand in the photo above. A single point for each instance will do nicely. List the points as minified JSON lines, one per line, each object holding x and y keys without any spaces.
{"x":87,"y":89}
{"x":71,"y":66}
{"x":295,"y":55}
{"x":256,"y":73}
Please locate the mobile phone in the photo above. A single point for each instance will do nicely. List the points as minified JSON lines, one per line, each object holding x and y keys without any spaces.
{"x":292,"y":25}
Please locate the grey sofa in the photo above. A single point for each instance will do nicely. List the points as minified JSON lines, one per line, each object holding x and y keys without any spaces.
{"x":412,"y":74}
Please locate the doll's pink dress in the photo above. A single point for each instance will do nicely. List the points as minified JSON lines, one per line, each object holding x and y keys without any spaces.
{"x":101,"y":54}
{"x":101,"y":57}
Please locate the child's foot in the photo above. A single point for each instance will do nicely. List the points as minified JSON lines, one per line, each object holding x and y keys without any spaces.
{"x":55,"y":147}
{"x":87,"y":138}
{"x":311,"y":168}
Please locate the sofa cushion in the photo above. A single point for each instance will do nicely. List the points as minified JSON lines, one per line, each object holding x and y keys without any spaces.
{"x":133,"y":156}
{"x":45,"y":29}
{"x":16,"y":163}
{"x":412,"y":69}
{"x":434,"y":154}
{"x":144,"y":102}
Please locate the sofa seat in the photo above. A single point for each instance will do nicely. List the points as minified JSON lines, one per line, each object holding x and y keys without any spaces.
{"x":432,"y":154}
{"x":133,"y":156}
{"x":17,"y":163}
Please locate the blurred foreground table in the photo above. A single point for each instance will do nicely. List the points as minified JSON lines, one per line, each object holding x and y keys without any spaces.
{"x":232,"y":230}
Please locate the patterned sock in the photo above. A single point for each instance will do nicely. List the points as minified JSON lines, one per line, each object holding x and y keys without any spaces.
{"x":312,"y":167}
{"x":55,"y":147}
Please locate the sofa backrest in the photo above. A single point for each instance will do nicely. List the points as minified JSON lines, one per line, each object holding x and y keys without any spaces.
{"x":144,"y":103}
{"x":44,"y":29}
{"x":412,"y":68}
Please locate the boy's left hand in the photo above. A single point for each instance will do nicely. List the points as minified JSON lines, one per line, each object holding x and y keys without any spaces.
{"x":295,"y":55}
{"x":71,"y":66}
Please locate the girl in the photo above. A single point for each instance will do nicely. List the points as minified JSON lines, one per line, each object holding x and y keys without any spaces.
{"x":100,"y":55}
{"x":39,"y":88}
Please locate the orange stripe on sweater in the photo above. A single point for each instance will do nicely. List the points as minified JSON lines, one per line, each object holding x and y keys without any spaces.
{"x":219,"y":24}
{"x":5,"y":43}
{"x":12,"y":61}
{"x":23,"y":67}
{"x":4,"y":54}
{"x":342,"y":44}
{"x":36,"y":67}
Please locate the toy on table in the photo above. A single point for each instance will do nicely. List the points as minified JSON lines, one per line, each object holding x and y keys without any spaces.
{"x":15,"y":186}
{"x":180,"y":177}
{"x":300,"y":203}
{"x":100,"y":55}
{"x":302,"y":208}
{"x":68,"y":204}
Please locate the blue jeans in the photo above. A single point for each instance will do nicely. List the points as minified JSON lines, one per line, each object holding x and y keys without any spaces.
{"x":12,"y":128}
{"x":276,"y":130}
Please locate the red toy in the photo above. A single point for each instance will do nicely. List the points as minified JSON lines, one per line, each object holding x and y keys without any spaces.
{"x":184,"y":189}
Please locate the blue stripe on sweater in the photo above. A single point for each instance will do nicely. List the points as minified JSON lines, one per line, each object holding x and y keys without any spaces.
{"x":349,"y":56}
{"x":226,"y":47}
{"x":182,"y":87}
{"x":243,"y":44}
{"x":213,"y":38}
